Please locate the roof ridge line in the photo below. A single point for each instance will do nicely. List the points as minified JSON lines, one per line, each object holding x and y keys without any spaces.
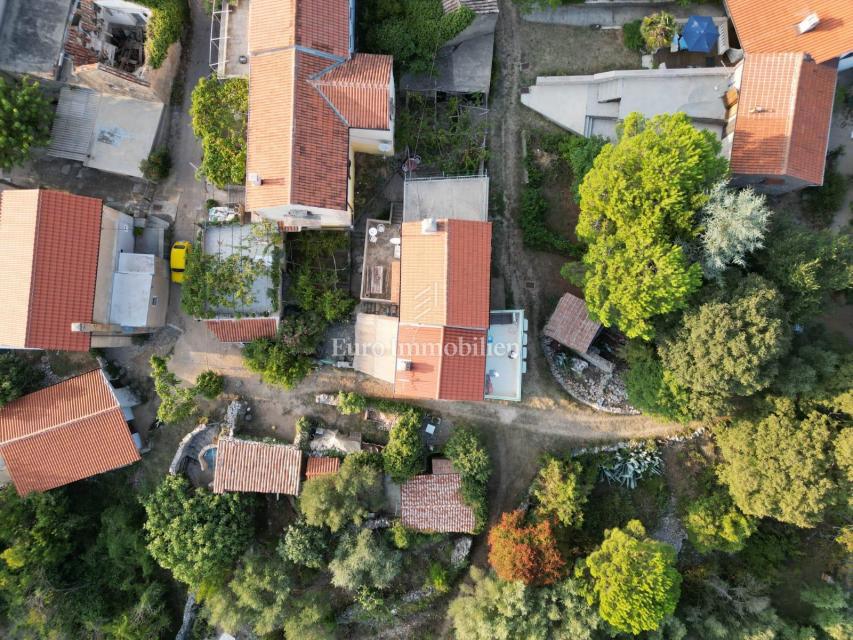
{"x":795,"y":94}
{"x":33,"y":268}
{"x":329,"y":102}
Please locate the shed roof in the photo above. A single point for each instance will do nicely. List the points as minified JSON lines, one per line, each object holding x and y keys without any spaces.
{"x":784,"y":116}
{"x":571,"y":325}
{"x":324,"y":466}
{"x":772,"y":31}
{"x":67,"y":432}
{"x":248,"y":465}
{"x":434,"y":503}
{"x":48,"y":266}
{"x":243,"y":330}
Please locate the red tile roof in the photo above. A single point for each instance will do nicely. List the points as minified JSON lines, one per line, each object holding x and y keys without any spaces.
{"x":446,"y":363}
{"x":64,"y":433}
{"x":305,"y":91}
{"x":248,"y":465}
{"x":441,"y":466}
{"x":63,"y":269}
{"x":434,"y":503}
{"x":571,"y":325}
{"x":243,"y":330}
{"x":784,"y":116}
{"x":762,"y":28}
{"x":321,"y":466}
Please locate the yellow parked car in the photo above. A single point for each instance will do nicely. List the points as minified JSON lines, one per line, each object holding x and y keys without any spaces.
{"x":178,"y":259}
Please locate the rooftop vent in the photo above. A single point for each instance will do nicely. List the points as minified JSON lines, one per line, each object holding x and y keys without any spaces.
{"x":758,"y":109}
{"x":404,"y":365}
{"x":255,"y":179}
{"x":808,"y":23}
{"x":428,"y":225}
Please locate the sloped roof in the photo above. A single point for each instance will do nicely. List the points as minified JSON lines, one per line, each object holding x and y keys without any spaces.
{"x":571,"y":325}
{"x":477,"y":6}
{"x":306,"y":89}
{"x":434,"y":503}
{"x":784,"y":116}
{"x":445,"y":275}
{"x":764,"y":29}
{"x":248,"y":465}
{"x":243,"y":330}
{"x":67,"y":432}
{"x":49,"y":264}
{"x":321,"y":466}
{"x":446,"y":363}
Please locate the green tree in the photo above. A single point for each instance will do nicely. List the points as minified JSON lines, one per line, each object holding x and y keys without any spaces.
{"x":730,"y":345}
{"x":277,"y":364}
{"x":157,"y":165}
{"x":311,"y":619}
{"x":17,"y":377}
{"x":219,"y":113}
{"x":831,"y":604}
{"x":561,"y":491}
{"x":633,"y":578}
{"x":25,"y":119}
{"x":580,"y":153}
{"x":405,"y":452}
{"x":176,"y":403}
{"x":807,"y":266}
{"x":304,"y":545}
{"x":714,"y":523}
{"x":196,"y":534}
{"x":351,"y":403}
{"x":525,"y":552}
{"x":168,"y":18}
{"x":735,"y":224}
{"x":658,"y":30}
{"x":465,"y":450}
{"x":653,"y":389}
{"x":638,"y":207}
{"x":490,"y":608}
{"x":363,"y":559}
{"x":336,"y":500}
{"x":209,"y":384}
{"x":259,"y":596}
{"x":782,"y":466}
{"x":212,"y":281}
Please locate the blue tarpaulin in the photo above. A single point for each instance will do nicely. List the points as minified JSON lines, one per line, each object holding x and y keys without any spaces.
{"x":700,"y":34}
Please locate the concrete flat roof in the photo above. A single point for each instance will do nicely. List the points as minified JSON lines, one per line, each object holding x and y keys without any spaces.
{"x":32,"y":35}
{"x":376,"y":346}
{"x":506,"y":358}
{"x":459,"y":198}
{"x":124,"y":134}
{"x":589,"y":105}
{"x":130,"y":301}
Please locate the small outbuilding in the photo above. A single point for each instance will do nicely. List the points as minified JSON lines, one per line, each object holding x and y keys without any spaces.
{"x":434,"y":502}
{"x":254,"y":466}
{"x":571,"y":326}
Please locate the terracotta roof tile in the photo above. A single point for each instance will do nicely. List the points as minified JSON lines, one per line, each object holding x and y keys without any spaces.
{"x":445,"y":276}
{"x":422,"y":347}
{"x":64,"y":433}
{"x":463,"y":366}
{"x":762,"y":30}
{"x":321,"y":466}
{"x":434,"y":503}
{"x":247,"y":465}
{"x":440,"y":466}
{"x":784,"y":114}
{"x":323,"y":25}
{"x":18,"y":217}
{"x":359,"y":90}
{"x":571,"y":325}
{"x":272,"y":25}
{"x":243,"y":330}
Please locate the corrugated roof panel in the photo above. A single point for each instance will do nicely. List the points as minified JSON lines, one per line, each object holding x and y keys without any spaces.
{"x":73,"y":124}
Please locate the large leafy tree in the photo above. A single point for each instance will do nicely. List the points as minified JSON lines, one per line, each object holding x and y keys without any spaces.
{"x":734,"y":226}
{"x":364,"y":560}
{"x":730,"y":345}
{"x":219,"y":113}
{"x":561,"y":491}
{"x":714,"y":523}
{"x":524,"y":552}
{"x":334,"y":501}
{"x":782,"y":466}
{"x":17,"y":377}
{"x":633,"y":578}
{"x":196,"y":534}
{"x":807,"y":266}
{"x":492,"y":608}
{"x":638,"y":207}
{"x":278,"y":363}
{"x":304,"y":545}
{"x":405,"y":452}
{"x":25,"y":119}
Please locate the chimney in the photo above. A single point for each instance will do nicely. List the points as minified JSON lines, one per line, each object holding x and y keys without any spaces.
{"x":808,"y":23}
{"x":255,"y":179}
{"x":429,"y":225}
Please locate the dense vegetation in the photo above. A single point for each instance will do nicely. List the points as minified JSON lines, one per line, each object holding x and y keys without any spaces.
{"x":178,"y":403}
{"x":25,"y":118}
{"x":219,"y":113}
{"x":168,"y":18}
{"x":17,"y":377}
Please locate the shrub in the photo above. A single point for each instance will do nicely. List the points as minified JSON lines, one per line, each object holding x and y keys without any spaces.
{"x":404,"y":454}
{"x":310,"y":619}
{"x":362,"y":559}
{"x":471,"y":460}
{"x":632,"y":36}
{"x":535,"y":233}
{"x":176,"y":403}
{"x":400,"y":535}
{"x":304,"y":545}
{"x":351,"y":403}
{"x":334,"y":501}
{"x":527,"y":553}
{"x":580,"y":154}
{"x":157,"y":165}
{"x":168,"y":18}
{"x":561,"y":491}
{"x":25,"y":119}
{"x":219,"y":113}
{"x":276,"y":363}
{"x":438,"y":577}
{"x":658,"y":30}
{"x":821,"y":203}
{"x":17,"y":378}
{"x":651,"y":388}
{"x":209,"y":384}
